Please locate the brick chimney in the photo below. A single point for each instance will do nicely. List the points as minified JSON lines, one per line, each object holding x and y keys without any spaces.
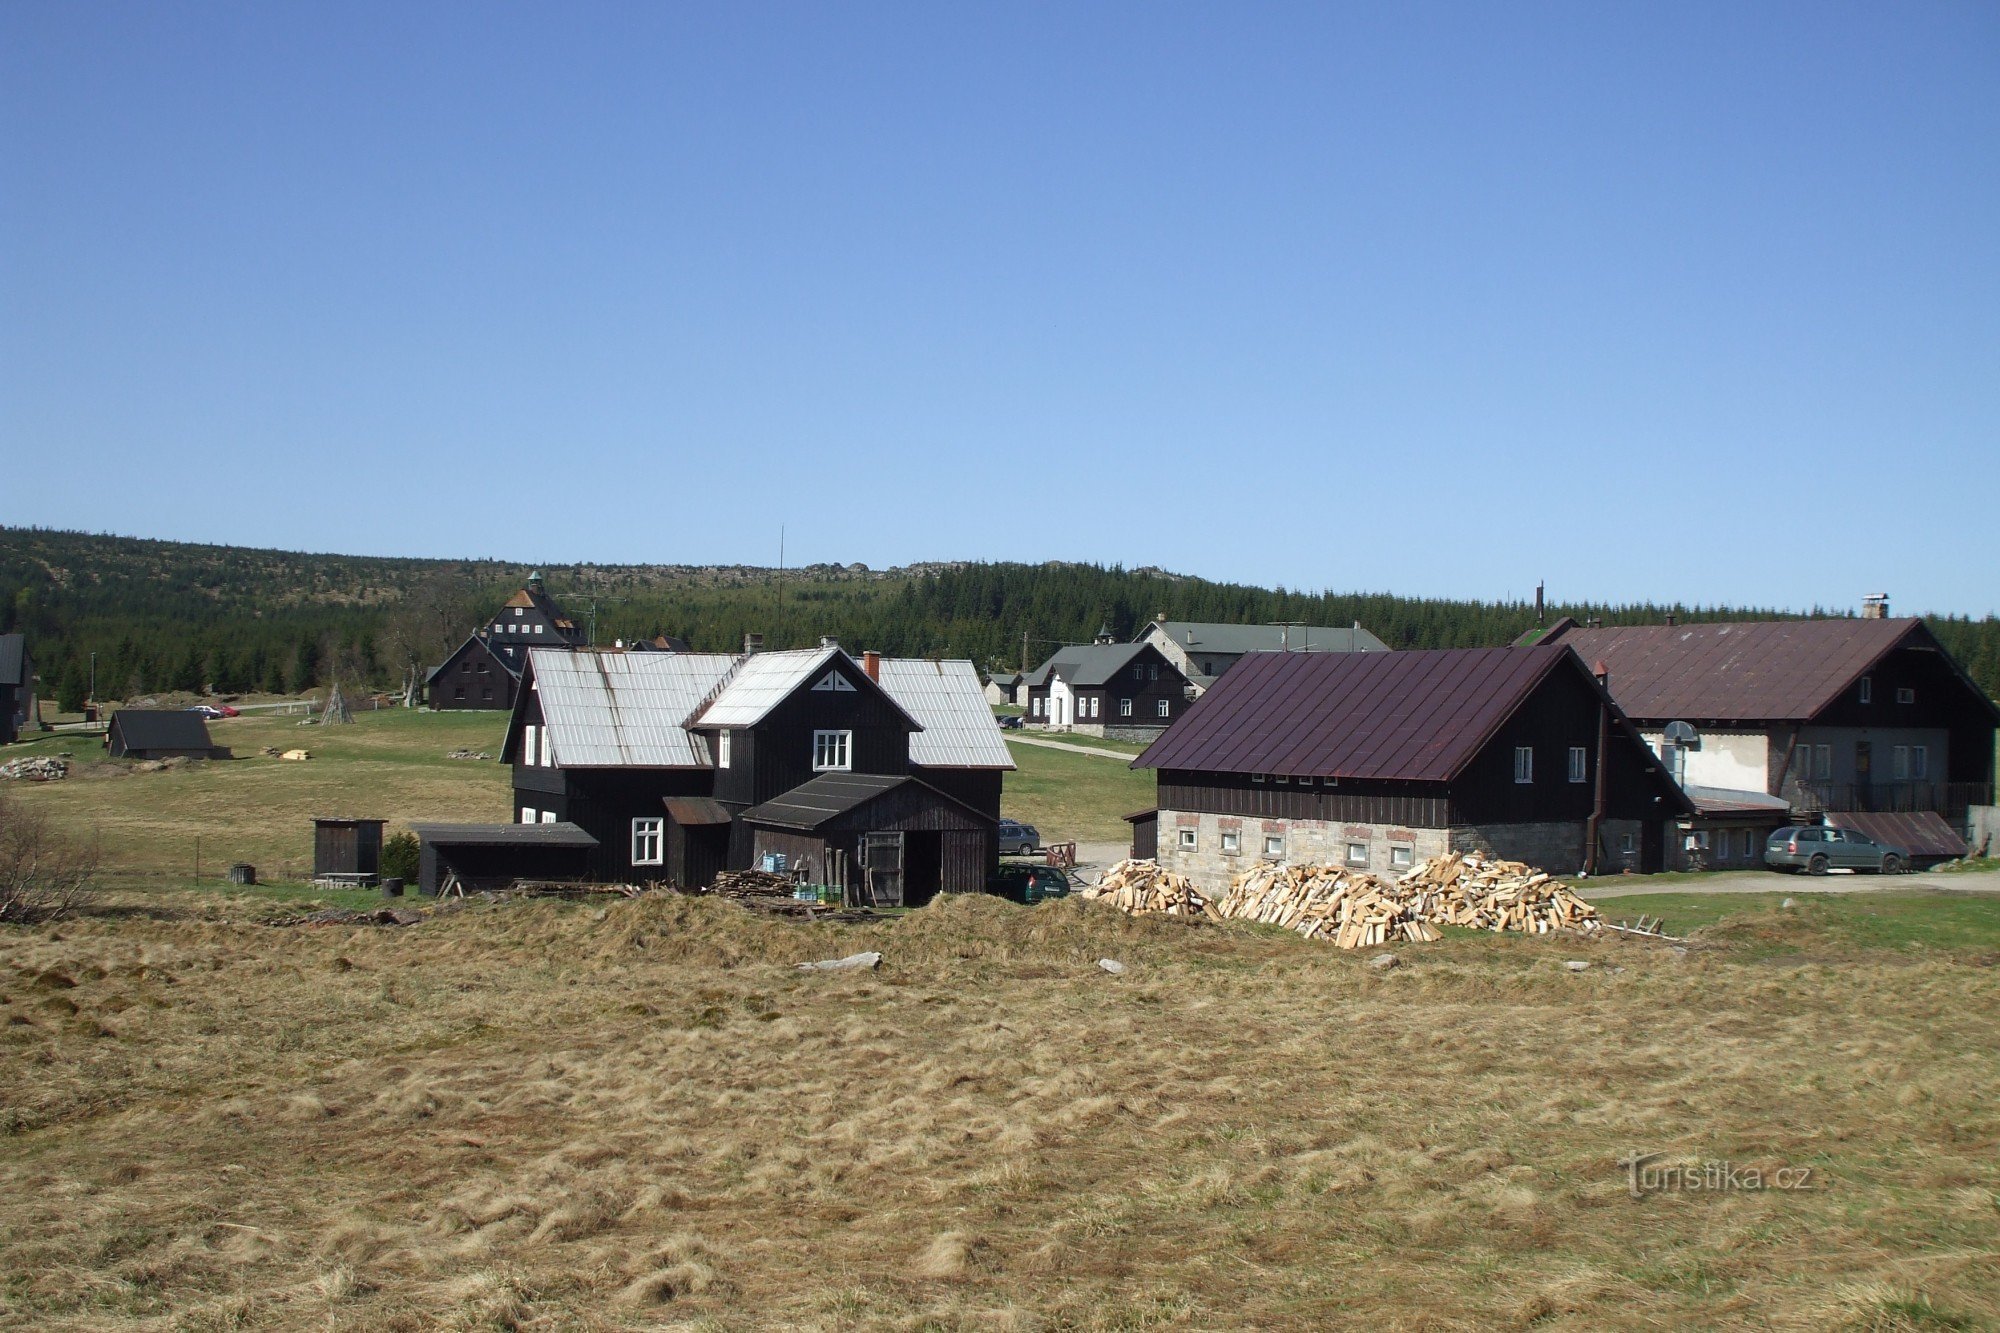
{"x":1875,"y":606}
{"x":753,"y":643}
{"x":871,"y":662}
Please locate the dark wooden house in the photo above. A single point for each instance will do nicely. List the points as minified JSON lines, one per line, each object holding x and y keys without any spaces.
{"x":484,"y":672}
{"x":160,"y":733}
{"x":677,"y":764}
{"x":1380,"y":760}
{"x":17,"y":687}
{"x":1128,"y":691}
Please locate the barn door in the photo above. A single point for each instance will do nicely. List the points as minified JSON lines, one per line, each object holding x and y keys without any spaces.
{"x":883,"y":853}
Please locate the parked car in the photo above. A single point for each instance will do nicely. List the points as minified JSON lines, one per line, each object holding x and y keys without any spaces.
{"x":1814,"y":850}
{"x":207,"y":711}
{"x":1028,"y":884}
{"x":1009,"y":721}
{"x":1018,"y":839}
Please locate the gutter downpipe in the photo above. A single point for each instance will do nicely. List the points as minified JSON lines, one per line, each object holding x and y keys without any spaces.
{"x":1603,"y":674}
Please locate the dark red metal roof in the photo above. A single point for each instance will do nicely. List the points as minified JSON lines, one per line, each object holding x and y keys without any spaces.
{"x":1415,"y":716}
{"x":1920,"y":833}
{"x":1741,"y":671}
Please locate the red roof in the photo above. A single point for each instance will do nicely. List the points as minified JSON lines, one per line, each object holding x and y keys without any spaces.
{"x":1920,"y":833}
{"x":1417,"y":716}
{"x":1741,"y":671}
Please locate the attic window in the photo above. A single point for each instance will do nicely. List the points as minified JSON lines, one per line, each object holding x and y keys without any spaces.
{"x":835,"y":682}
{"x":1257,"y":777}
{"x":1905,"y":694}
{"x":1867,"y":689}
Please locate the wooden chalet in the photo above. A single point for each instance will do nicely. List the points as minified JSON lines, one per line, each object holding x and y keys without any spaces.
{"x":880,"y":776}
{"x":1379,"y":760}
{"x":1129,"y":691}
{"x":160,"y":733}
{"x":1807,"y":719}
{"x":484,"y":672}
{"x":17,"y":687}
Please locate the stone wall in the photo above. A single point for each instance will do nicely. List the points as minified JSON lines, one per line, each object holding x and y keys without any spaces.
{"x":1303,"y":842}
{"x":1555,"y":847}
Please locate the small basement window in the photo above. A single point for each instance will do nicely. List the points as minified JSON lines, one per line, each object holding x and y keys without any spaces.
{"x":646,"y":842}
{"x":1231,"y":842}
{"x":1274,"y":844}
{"x":1401,"y":856}
{"x":1188,"y":840}
{"x":1357,"y":853}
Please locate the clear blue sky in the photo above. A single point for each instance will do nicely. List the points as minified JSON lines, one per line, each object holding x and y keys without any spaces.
{"x":1699,"y":302}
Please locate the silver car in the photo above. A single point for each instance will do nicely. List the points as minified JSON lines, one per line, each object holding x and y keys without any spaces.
{"x":1814,"y":850}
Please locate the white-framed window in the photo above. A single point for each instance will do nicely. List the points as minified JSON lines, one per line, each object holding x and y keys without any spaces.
{"x":1096,"y":705}
{"x":1579,"y":764}
{"x":1867,"y":689}
{"x":1188,"y":840}
{"x":1280,"y":778}
{"x":1697,"y":840}
{"x":527,"y":814}
{"x":1274,"y":844}
{"x":531,"y":747}
{"x":548,"y":816}
{"x":548,"y":750}
{"x":1905,"y":694}
{"x":1041,"y":707}
{"x":830,"y":751}
{"x":1153,"y":672}
{"x":1899,"y":762}
{"x":1163,"y":708}
{"x":1628,"y":843}
{"x":1139,"y":672}
{"x":722,"y":748}
{"x":1357,"y":853}
{"x":646,"y":842}
{"x":1124,"y":708}
{"x":496,"y":627}
{"x":1303,"y":782}
{"x":1232,"y":842}
{"x":1401,"y":856}
{"x":1822,"y":762}
{"x":1524,"y":763}
{"x":1920,"y":763}
{"x":1259,"y":777}
{"x":540,"y":628}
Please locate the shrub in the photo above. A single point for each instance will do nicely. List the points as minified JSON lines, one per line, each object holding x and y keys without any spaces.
{"x":44,"y":876}
{"x":400,"y":857}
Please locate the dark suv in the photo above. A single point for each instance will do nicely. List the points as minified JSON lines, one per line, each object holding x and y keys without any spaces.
{"x":1028,"y":884}
{"x":1018,"y":839}
{"x":1814,"y":850}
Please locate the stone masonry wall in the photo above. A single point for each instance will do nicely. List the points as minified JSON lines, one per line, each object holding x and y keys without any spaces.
{"x":1306,"y":842}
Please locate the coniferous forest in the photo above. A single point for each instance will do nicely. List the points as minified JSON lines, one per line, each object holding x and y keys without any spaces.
{"x":167,"y":616}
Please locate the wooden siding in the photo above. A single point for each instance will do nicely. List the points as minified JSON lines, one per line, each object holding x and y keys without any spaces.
{"x":1414,"y":805}
{"x":473,"y":678}
{"x":1560,"y":713}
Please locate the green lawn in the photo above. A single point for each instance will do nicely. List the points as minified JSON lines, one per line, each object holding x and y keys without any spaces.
{"x":1756,"y":923}
{"x":1074,"y":797}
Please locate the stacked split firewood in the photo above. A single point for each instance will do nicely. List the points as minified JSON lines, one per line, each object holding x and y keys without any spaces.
{"x":1141,"y":888}
{"x":1357,"y":910}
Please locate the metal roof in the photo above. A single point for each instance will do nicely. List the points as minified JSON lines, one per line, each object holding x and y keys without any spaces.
{"x":1087,"y":664}
{"x":562,"y":834}
{"x":161,"y":729}
{"x":1416,"y":716}
{"x":1204,"y":637}
{"x":1730,"y":801}
{"x":1920,"y":832}
{"x":948,"y":701}
{"x":689,"y":811}
{"x":762,"y":681}
{"x":813,"y":803}
{"x":1741,"y":671}
{"x":13,"y":658}
{"x":624,"y":710}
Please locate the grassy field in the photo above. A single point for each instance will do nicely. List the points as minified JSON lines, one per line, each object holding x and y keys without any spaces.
{"x":1074,"y":797}
{"x":539,"y":1115}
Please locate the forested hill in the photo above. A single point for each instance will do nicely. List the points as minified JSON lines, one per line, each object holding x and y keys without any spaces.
{"x":168,"y":615}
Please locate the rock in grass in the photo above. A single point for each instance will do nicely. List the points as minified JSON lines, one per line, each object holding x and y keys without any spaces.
{"x":869,"y":960}
{"x":1789,"y":903}
{"x":1576,"y":964}
{"x":1112,"y":965}
{"x":1382,"y":962}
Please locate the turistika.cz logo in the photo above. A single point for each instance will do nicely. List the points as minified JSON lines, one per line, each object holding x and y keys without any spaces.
{"x":1646,"y":1174}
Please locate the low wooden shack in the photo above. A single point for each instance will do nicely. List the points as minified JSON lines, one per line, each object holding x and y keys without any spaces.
{"x":474,"y":858}
{"x":160,"y":733}
{"x":886,"y":841}
{"x":347,"y":851}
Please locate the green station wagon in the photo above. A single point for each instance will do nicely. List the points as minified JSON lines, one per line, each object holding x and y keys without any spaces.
{"x":1814,"y":850}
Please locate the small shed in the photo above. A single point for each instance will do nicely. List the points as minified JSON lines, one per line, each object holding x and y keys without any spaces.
{"x":160,"y":733}
{"x":478,"y":857}
{"x":347,"y":851}
{"x":1145,"y":834}
{"x":885,"y":841}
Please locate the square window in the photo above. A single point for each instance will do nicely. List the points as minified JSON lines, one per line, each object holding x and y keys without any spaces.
{"x":540,"y":628}
{"x":1357,"y":853}
{"x":1697,"y":840}
{"x":1281,"y":779}
{"x":1905,"y":694}
{"x":486,"y":694}
{"x":1524,"y":763}
{"x":830,"y":751}
{"x":1401,"y":856}
{"x":548,"y":816}
{"x":646,"y":842}
{"x":1579,"y":763}
{"x":1187,"y":840}
{"x":458,"y":692}
{"x":520,"y":611}
{"x":527,"y":814}
{"x":1231,"y":842}
{"x":1259,"y":777}
{"x":1274,"y":844}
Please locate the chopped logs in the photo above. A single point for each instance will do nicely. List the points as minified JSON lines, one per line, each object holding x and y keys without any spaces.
{"x":1356,"y":910}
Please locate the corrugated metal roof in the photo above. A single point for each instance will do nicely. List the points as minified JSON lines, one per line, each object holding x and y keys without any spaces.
{"x":762,"y":681}
{"x":690,"y":811}
{"x":1742,"y":671}
{"x":1087,"y":664}
{"x":1415,"y":716}
{"x":562,"y":834}
{"x":1730,"y":801}
{"x":1920,"y":833}
{"x":624,"y":710}
{"x":812,"y":803}
{"x":948,"y":701}
{"x":1213,"y":638}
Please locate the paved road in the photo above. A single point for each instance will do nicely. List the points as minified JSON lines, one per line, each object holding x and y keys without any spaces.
{"x":1073,"y":749}
{"x":1764,"y":881}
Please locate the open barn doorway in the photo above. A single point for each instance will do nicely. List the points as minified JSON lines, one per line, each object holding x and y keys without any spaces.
{"x":923,"y":867}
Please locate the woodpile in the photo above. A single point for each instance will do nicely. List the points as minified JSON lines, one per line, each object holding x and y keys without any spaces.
{"x":35,"y":768}
{"x":1357,"y":910}
{"x":1141,"y":888}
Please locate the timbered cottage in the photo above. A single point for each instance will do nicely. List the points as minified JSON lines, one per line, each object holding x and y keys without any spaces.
{"x":17,"y":687}
{"x":1128,"y":691}
{"x":880,"y":776}
{"x":484,"y":672}
{"x":1379,"y":760}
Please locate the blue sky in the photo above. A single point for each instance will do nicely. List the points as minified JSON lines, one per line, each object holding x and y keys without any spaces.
{"x":1696,"y":301}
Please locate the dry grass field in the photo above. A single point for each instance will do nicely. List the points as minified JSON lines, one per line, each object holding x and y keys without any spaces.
{"x":572,"y":1116}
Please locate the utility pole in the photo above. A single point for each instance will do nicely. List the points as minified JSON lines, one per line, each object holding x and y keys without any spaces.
{"x":1024,"y":652}
{"x":93,"y":678}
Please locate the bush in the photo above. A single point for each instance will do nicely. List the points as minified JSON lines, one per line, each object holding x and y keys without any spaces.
{"x":43,"y":875}
{"x":400,"y":857}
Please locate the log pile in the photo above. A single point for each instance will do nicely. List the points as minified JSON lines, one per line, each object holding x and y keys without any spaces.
{"x":35,"y":768}
{"x":1141,"y":888}
{"x":1488,"y":894}
{"x":1353,"y":910}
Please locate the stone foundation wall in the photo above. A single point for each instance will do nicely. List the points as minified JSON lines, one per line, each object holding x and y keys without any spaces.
{"x":1111,"y":731}
{"x":1306,"y":842}
{"x":1555,"y":847}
